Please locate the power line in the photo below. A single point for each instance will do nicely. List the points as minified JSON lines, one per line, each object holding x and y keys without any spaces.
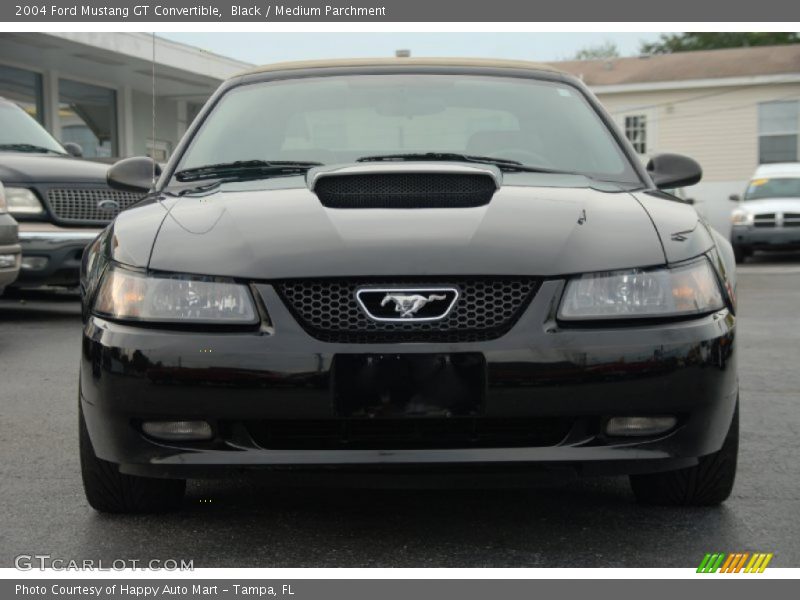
{"x":690,"y":99}
{"x":727,"y":108}
{"x":668,"y":117}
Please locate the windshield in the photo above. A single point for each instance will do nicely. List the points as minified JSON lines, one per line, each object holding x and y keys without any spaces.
{"x":340,"y":119}
{"x":22,"y":133}
{"x":782,"y":187}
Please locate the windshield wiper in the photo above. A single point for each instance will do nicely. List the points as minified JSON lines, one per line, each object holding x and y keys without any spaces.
{"x":454,"y":156}
{"x":28,"y":148}
{"x":505,"y":164}
{"x":200,"y":190}
{"x":241,"y":170}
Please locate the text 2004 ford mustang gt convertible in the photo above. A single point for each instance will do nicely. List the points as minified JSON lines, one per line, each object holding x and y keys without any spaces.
{"x":407,"y":272}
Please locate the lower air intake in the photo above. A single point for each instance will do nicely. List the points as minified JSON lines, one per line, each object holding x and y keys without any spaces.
{"x":378,"y":434}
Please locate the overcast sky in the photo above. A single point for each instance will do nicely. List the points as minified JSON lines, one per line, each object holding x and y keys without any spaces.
{"x":272,"y":47}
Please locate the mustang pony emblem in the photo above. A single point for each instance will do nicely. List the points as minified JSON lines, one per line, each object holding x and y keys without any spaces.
{"x":407,"y":305}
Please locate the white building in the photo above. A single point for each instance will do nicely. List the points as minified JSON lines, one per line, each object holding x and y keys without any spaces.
{"x":96,"y":89}
{"x":729,"y":109}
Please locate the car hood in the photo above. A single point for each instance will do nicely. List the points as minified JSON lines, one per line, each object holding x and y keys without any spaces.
{"x":771,"y":205}
{"x":42,"y":168}
{"x":287,"y":233}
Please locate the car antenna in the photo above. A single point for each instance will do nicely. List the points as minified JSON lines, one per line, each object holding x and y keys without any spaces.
{"x":153,"y":141}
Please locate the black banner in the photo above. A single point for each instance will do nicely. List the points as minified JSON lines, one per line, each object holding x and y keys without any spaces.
{"x":397,"y":589}
{"x":393,"y":11}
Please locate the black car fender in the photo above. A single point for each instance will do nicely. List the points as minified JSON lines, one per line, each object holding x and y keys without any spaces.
{"x":127,"y":240}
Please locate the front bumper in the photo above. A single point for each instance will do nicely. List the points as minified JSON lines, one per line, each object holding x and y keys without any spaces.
{"x":51,"y":255}
{"x":766,"y":238}
{"x":9,"y":249}
{"x":538,"y":370}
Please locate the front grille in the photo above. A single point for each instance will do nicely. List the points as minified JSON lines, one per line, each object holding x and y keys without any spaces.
{"x":377,"y":434}
{"x":487,"y":308}
{"x":81,"y":205}
{"x":791,"y":220}
{"x":405,"y":190}
{"x":765,"y":220}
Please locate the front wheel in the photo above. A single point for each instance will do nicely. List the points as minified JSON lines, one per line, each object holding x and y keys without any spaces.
{"x":706,"y":484}
{"x":110,"y":491}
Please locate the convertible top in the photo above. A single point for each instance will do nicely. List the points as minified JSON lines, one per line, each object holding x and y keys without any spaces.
{"x":421,"y":62}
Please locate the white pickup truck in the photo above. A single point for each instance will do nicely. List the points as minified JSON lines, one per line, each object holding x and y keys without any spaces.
{"x":768,"y":216}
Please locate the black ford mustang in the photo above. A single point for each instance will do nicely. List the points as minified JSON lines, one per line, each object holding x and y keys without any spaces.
{"x":407,"y":272}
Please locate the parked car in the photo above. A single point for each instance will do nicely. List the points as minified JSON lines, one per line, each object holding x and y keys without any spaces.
{"x":9,"y":245}
{"x":407,"y":272}
{"x":60,"y":201}
{"x":768,"y":216}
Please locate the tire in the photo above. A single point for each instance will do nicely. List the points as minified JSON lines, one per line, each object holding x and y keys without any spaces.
{"x":740,"y":254}
{"x":110,"y":491}
{"x":706,"y":484}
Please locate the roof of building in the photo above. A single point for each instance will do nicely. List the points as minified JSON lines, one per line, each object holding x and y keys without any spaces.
{"x":683,"y":66}
{"x":381,"y":62}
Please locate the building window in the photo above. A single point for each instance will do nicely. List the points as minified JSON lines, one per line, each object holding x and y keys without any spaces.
{"x":636,"y":132}
{"x":88,"y":115}
{"x":24,"y":88}
{"x":158,"y":150}
{"x":778,"y":131}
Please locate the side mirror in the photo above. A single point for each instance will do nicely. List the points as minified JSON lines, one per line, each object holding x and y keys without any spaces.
{"x":73,"y":149}
{"x":674,"y":170}
{"x":735,"y":198}
{"x":133,"y":174}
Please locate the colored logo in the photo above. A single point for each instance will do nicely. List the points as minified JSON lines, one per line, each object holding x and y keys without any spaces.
{"x":738,"y":562}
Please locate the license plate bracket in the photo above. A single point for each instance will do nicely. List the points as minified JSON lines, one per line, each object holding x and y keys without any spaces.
{"x":409,"y":385}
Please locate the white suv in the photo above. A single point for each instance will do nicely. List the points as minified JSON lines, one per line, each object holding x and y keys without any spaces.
{"x":768,"y":217}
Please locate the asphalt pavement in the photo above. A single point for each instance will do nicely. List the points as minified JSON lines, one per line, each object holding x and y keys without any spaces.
{"x":591,"y":523}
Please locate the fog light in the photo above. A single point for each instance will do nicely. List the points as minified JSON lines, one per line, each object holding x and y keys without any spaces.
{"x":639,"y":426}
{"x":7,"y":261}
{"x":178,"y":430}
{"x":33,"y":263}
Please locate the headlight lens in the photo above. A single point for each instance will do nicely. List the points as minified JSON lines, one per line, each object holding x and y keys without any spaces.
{"x":680,"y":291}
{"x":21,"y":201}
{"x":742,"y":217}
{"x":174,"y":299}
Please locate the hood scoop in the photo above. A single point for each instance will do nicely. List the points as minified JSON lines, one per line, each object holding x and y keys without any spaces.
{"x":405,"y":185}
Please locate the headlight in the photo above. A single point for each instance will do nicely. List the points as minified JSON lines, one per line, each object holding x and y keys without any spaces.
{"x":2,"y":199}
{"x":173,"y":299}
{"x":21,"y":201}
{"x":685,"y":290}
{"x":742,"y":217}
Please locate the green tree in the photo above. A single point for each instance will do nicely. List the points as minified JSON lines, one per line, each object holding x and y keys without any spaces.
{"x":686,"y":42}
{"x":605,"y":50}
